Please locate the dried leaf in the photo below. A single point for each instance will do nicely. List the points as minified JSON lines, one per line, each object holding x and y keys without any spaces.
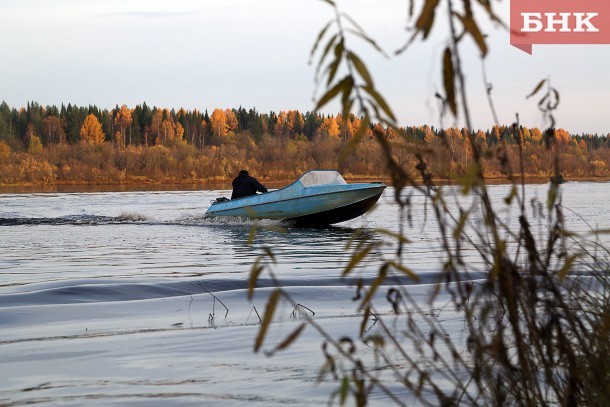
{"x":383,"y":271}
{"x":457,"y":232}
{"x":329,"y":46}
{"x":552,"y":196}
{"x":269,"y":311}
{"x":365,"y":38}
{"x":347,"y":91}
{"x":292,"y":337}
{"x":254,"y":274}
{"x":426,"y":18}
{"x":361,"y":68}
{"x":319,"y":39}
{"x":380,"y":101}
{"x":512,"y":195}
{"x":449,"y":80}
{"x":344,"y":390}
{"x":365,"y":319}
{"x":405,"y":270}
{"x":536,"y":89}
{"x":472,"y":28}
{"x":252,"y":235}
{"x":270,"y":254}
{"x":332,"y":71}
{"x":567,"y":267}
{"x":396,"y":235}
{"x":355,"y":259}
{"x":334,"y":91}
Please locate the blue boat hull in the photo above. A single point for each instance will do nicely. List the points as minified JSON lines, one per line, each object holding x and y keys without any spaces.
{"x":337,"y":215}
{"x":305,"y":203}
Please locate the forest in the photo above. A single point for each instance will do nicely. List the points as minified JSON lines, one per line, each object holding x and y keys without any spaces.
{"x":88,"y":145}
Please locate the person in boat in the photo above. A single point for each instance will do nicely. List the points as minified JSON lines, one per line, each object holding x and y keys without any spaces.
{"x":245,"y":185}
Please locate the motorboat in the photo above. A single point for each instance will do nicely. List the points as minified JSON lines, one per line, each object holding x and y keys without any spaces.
{"x":318,"y":197}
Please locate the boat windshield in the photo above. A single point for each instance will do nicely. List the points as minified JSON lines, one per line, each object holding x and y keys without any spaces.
{"x":312,"y":178}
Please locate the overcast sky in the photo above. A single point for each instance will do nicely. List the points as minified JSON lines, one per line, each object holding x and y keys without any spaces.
{"x":230,"y":53}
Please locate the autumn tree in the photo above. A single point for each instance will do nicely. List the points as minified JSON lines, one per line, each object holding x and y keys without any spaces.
{"x":34,"y":145}
{"x":30,"y":132}
{"x":218,"y":123}
{"x":330,"y":127}
{"x":295,"y":122}
{"x":204,"y":130}
{"x":563,"y":137}
{"x":289,"y":124}
{"x":171,"y":131}
{"x":123,"y":121}
{"x":282,"y":128}
{"x":165,"y":128}
{"x":346,"y":126}
{"x":156,"y":121}
{"x":481,"y":138}
{"x":91,"y":131}
{"x":232,"y":123}
{"x":53,"y":130}
{"x":536,"y":135}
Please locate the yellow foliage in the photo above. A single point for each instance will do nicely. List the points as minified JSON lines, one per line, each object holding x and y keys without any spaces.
{"x":562,"y":136}
{"x":232,"y":123}
{"x":330,"y":127}
{"x":5,"y":150}
{"x":536,"y":134}
{"x":35,"y":145}
{"x":123,"y":120}
{"x":91,"y":131}
{"x":218,"y":121}
{"x":598,"y":167}
{"x":38,"y":171}
{"x":118,"y":138}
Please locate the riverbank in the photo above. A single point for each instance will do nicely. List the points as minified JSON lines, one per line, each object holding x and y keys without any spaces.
{"x":188,"y":185}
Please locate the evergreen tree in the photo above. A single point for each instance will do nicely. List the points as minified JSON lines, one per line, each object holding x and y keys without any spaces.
{"x":311,"y":125}
{"x":20,"y":120}
{"x":255,"y":125}
{"x":34,"y":114}
{"x":73,"y":122}
{"x":5,"y":117}
{"x":271,"y":122}
{"x":52,"y":111}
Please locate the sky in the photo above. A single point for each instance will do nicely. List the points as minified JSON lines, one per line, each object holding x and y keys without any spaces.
{"x":255,"y":54}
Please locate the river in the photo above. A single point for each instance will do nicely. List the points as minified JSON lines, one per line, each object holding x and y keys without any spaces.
{"x":115,"y":298}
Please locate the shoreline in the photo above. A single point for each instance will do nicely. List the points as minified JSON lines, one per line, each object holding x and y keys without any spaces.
{"x":190,"y":185}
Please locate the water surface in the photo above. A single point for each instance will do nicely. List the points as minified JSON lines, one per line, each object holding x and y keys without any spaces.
{"x":119,"y":297}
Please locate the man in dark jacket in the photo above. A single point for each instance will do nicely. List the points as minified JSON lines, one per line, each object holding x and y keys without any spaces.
{"x":245,"y":185}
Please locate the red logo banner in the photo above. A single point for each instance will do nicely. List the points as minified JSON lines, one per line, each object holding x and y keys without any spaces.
{"x":559,"y":22}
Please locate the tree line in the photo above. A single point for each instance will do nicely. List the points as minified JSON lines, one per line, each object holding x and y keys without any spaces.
{"x":76,"y":144}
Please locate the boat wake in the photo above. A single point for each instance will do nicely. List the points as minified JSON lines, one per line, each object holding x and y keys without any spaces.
{"x":76,"y":220}
{"x":203,"y":220}
{"x":89,"y":291}
{"x":136,"y":218}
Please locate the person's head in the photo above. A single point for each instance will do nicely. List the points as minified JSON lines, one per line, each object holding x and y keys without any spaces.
{"x":244,"y":172}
